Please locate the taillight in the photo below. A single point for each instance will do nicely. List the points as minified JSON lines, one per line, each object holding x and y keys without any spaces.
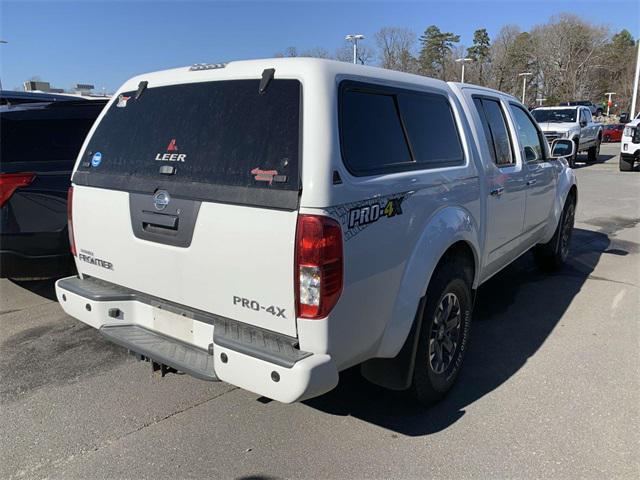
{"x":72,"y":240}
{"x":318,"y":268}
{"x":9,"y":182}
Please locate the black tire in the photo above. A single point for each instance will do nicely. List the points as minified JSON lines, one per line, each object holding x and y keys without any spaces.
{"x":574,"y":158}
{"x":553,"y":255}
{"x":594,"y":152}
{"x":436,"y":365}
{"x":625,"y":165}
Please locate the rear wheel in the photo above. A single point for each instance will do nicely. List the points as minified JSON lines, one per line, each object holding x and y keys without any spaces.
{"x":594,"y":152}
{"x":625,"y":165}
{"x":444,"y":334}
{"x":553,"y":254}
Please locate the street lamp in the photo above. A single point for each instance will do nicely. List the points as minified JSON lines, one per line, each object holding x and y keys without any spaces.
{"x":2,"y":42}
{"x":354,"y":38}
{"x":463,"y":61}
{"x":635,"y":85}
{"x":609,"y":101}
{"x":524,"y":76}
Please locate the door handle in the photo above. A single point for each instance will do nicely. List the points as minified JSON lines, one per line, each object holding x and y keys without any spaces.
{"x":531,"y":182}
{"x":496,"y":192}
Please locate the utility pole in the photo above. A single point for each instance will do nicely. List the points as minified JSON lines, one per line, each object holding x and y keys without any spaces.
{"x":2,"y":42}
{"x":635,"y":85}
{"x":463,"y":61}
{"x":524,"y":76}
{"x":609,"y":101}
{"x":354,"y":39}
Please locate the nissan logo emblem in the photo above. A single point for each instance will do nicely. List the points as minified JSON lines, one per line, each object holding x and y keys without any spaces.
{"x":161,"y":199}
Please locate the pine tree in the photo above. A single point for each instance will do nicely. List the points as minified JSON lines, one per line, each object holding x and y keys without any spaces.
{"x":480,"y":51}
{"x":436,"y":46}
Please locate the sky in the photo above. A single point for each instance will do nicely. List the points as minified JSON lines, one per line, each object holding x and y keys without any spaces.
{"x":105,"y":43}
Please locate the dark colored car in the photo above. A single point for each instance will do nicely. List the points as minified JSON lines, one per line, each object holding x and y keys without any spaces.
{"x":612,"y":133}
{"x":596,"y":110}
{"x":40,"y":139}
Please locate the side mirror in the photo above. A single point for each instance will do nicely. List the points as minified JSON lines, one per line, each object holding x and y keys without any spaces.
{"x":562,"y":148}
{"x":583,"y":123}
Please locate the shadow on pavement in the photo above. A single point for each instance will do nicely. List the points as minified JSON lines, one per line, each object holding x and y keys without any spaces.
{"x":582,"y":161}
{"x":43,"y":288}
{"x":515,"y":312}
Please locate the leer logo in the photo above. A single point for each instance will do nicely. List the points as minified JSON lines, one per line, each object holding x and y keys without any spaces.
{"x":171,"y":157}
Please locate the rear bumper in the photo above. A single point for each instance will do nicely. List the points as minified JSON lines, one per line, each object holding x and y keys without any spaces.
{"x":198,"y":343}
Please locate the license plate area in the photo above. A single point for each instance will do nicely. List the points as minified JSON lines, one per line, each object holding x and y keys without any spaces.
{"x":173,"y":325}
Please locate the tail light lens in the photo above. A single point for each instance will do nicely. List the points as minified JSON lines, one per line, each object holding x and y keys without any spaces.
{"x":9,"y":182}
{"x":72,"y":240}
{"x":318,"y":267}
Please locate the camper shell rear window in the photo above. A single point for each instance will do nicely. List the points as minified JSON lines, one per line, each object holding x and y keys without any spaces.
{"x":217,"y":141}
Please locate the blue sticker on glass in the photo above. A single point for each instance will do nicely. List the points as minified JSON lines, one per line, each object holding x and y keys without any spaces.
{"x":96,"y":159}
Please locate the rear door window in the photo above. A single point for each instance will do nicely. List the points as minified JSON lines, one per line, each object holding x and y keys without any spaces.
{"x":209,"y":138}
{"x":495,"y":129}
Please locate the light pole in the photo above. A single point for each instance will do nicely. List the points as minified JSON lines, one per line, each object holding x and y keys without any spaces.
{"x":2,"y":42}
{"x":635,"y":85}
{"x":354,"y":38}
{"x":463,"y":61}
{"x":609,"y":101}
{"x":524,"y":76}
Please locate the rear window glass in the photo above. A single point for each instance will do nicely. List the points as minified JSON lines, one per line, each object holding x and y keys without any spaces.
{"x":48,"y":133}
{"x":214,"y":133}
{"x":388,"y":130}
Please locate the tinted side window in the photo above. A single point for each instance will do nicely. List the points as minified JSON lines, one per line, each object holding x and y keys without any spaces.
{"x":528,"y":135}
{"x":431,"y":129}
{"x":372,"y":135}
{"x":496,"y":131}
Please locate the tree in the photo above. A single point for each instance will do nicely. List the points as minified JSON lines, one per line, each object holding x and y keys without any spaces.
{"x":480,"y":52}
{"x":395,"y":47}
{"x":436,"y":47}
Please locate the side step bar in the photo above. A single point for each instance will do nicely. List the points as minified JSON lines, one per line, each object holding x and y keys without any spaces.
{"x":162,"y":349}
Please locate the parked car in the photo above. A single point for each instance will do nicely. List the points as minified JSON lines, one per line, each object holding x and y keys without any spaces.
{"x":270,"y":235}
{"x":574,"y":123}
{"x":630,"y":145}
{"x":596,"y":110}
{"x":612,"y":133}
{"x":40,"y":140}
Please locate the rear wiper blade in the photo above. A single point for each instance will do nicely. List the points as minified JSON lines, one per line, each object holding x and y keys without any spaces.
{"x":142,"y":86}
{"x":267,"y":76}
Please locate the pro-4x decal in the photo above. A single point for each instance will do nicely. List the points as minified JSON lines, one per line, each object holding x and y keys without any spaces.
{"x":357,"y":216}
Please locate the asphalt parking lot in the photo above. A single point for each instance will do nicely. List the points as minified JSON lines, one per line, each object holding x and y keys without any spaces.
{"x":550,"y":387}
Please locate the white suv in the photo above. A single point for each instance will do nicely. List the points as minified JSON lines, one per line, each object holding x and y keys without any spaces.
{"x":270,"y":223}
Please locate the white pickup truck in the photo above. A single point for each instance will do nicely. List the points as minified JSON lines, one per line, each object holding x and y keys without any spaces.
{"x":574,"y":123}
{"x":270,"y":223}
{"x":630,"y":145}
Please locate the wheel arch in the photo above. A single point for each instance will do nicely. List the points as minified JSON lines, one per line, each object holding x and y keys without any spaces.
{"x":452,"y":231}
